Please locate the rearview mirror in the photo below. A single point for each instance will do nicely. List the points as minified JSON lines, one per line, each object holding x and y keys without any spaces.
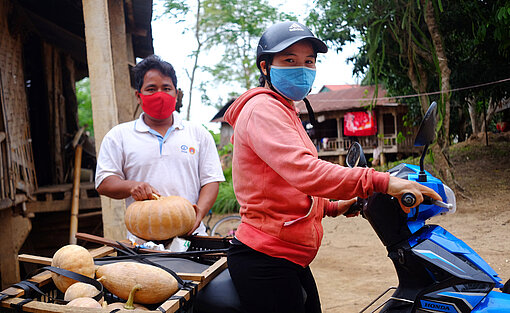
{"x":427,"y":132}
{"x":355,"y":156}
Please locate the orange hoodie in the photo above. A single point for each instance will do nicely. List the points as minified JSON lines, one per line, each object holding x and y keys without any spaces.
{"x":281,"y":183}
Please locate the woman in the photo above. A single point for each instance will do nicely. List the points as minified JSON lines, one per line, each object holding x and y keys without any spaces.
{"x":281,"y":184}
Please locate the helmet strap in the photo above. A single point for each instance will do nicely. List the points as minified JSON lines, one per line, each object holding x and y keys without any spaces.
{"x":311,"y":116}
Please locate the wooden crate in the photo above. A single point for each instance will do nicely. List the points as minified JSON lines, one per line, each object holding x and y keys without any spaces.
{"x":41,"y":304}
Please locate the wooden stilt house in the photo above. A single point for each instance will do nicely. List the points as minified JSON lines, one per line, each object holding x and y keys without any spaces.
{"x":346,"y":114}
{"x":45,"y":47}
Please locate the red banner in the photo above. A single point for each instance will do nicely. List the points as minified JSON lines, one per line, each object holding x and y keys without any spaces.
{"x":359,"y":124}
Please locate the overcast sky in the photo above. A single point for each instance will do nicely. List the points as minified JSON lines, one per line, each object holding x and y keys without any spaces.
{"x":174,"y":46}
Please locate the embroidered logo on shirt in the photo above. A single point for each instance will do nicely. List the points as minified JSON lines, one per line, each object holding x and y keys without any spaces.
{"x":186,"y":149}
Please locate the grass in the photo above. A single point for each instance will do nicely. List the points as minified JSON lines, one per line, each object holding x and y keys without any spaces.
{"x":226,"y":201}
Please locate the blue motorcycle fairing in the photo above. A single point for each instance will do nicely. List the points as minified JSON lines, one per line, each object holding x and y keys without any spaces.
{"x":452,"y":244}
{"x":494,"y":302}
{"x":436,"y":254}
{"x":472,"y":298}
{"x":425,"y":211}
{"x":435,"y":269}
{"x":436,"y":233}
{"x":415,"y":221}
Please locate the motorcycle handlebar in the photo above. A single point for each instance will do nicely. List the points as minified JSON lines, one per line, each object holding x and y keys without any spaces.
{"x":408,"y":199}
{"x":355,"y":207}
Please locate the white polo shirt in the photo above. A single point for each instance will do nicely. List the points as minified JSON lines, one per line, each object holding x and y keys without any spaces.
{"x":179,"y":163}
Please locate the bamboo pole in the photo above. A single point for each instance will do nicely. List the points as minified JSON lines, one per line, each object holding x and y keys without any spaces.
{"x":73,"y":228}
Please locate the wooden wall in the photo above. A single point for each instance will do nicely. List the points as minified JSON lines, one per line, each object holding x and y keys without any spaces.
{"x":17,"y":160}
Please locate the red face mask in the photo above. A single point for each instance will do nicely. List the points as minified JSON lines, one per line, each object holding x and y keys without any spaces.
{"x":159,"y":105}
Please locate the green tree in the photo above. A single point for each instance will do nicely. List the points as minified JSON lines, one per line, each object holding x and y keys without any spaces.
{"x":234,"y":26}
{"x":421,"y":47}
{"x":84,"y":105}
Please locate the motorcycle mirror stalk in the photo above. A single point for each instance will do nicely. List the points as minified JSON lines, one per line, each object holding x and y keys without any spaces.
{"x":426,"y":136}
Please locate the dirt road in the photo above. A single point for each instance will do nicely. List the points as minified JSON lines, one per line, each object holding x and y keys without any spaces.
{"x":352,"y":268}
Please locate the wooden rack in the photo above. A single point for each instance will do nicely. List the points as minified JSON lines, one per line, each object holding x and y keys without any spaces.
{"x":42,"y":279}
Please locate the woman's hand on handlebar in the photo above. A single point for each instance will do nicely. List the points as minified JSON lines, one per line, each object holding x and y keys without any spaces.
{"x":397,"y":187}
{"x":344,"y":206}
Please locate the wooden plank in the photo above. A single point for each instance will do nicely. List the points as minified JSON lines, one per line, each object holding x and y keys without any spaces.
{"x":102,"y":251}
{"x":61,"y":205}
{"x":8,"y":190}
{"x":208,"y":274}
{"x":203,"y":277}
{"x":8,"y":203}
{"x":63,"y":187}
{"x":96,"y":253}
{"x":90,"y":214}
{"x":43,"y":307}
{"x":198,"y":277}
{"x":213,"y":270}
{"x":41,"y":279}
{"x":34,"y":259}
{"x":112,"y":243}
{"x":45,"y":277}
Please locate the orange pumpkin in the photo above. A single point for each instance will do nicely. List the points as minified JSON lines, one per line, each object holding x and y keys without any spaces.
{"x":160,"y":219}
{"x":73,"y":258}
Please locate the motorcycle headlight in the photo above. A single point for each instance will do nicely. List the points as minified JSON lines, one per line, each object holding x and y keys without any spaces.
{"x":450,"y":198}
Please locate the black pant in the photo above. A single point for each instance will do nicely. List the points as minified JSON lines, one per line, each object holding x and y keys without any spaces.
{"x":271,"y":285}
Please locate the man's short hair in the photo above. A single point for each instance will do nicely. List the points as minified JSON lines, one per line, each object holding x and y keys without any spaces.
{"x":152,"y":62}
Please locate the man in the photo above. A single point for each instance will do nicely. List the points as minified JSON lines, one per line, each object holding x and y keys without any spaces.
{"x":159,"y":152}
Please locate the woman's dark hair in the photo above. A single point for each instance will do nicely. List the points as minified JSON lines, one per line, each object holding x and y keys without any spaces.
{"x":263,"y":78}
{"x":152,"y":62}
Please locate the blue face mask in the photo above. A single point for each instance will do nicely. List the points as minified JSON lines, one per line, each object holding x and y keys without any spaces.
{"x":292,"y":82}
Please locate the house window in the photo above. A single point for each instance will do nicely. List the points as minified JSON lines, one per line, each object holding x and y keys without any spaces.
{"x":389,"y":124}
{"x":329,"y":128}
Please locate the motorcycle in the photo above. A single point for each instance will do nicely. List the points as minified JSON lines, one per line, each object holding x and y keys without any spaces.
{"x":437,"y":272}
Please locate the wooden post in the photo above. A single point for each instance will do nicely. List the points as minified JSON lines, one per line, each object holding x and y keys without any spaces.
{"x":341,"y":159}
{"x":14,"y":230}
{"x":121,"y":43}
{"x":380,"y":142}
{"x":108,"y":86}
{"x":73,"y":228}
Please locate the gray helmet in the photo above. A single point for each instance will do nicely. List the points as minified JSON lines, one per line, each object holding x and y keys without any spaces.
{"x":280,"y":36}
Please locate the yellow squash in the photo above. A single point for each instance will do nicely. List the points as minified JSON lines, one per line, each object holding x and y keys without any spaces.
{"x":84,"y":303}
{"x":129,"y":305}
{"x":156,"y":284}
{"x":81,"y":290}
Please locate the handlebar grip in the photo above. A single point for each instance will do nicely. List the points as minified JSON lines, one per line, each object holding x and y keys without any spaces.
{"x":355,"y":207}
{"x":408,"y":199}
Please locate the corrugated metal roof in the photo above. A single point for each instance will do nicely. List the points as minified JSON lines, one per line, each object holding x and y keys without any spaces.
{"x":336,"y":87}
{"x":346,"y":99}
{"x":349,"y":98}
